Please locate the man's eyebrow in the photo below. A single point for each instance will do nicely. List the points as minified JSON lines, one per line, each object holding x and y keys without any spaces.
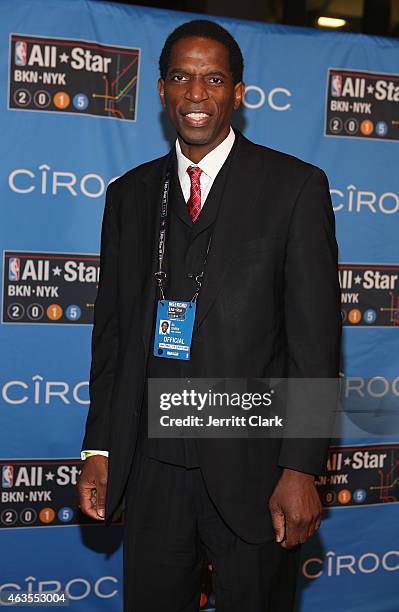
{"x":177,"y":70}
{"x":215,"y":72}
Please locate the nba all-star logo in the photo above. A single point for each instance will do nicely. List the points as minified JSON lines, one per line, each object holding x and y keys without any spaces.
{"x":49,"y":287}
{"x":360,"y":475}
{"x":73,"y":76}
{"x":362,"y":104}
{"x":369,"y":294}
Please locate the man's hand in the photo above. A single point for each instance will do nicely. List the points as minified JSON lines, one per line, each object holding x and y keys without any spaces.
{"x":92,"y":486}
{"x":295,"y":508}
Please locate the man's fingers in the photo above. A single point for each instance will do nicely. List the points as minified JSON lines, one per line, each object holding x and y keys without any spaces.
{"x":86,"y":497}
{"x":278,"y":521}
{"x":295,"y":497}
{"x":92,"y":486}
{"x":315,"y":519}
{"x":313,"y":526}
{"x":296,"y":532}
{"x":100,"y":499}
{"x":299,"y":530}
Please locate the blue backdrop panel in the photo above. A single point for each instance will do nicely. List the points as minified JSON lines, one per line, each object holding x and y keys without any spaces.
{"x":79,"y":108}
{"x":80,"y":563}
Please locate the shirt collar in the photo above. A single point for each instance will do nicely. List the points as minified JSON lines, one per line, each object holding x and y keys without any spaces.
{"x":211,"y":163}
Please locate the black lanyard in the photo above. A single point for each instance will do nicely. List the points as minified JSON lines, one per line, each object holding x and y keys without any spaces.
{"x":160,"y":275}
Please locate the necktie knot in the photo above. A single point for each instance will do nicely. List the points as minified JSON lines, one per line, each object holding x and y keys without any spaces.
{"x":194,"y":173}
{"x":194,"y":201}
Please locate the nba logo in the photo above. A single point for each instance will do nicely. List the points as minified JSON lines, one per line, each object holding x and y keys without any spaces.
{"x":20,"y":53}
{"x":13,"y":269}
{"x":7,"y":476}
{"x":336,"y":85}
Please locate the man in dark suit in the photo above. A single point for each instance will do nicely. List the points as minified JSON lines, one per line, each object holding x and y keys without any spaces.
{"x":255,"y":227}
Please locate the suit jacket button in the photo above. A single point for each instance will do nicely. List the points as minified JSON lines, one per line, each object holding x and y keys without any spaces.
{"x":190,"y":275}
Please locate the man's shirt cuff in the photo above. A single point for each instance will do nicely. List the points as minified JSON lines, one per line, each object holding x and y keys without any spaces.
{"x":89,"y":453}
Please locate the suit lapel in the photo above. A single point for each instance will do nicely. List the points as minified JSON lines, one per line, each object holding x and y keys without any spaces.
{"x":244,"y":181}
{"x":153,"y":183}
{"x":210,"y":208}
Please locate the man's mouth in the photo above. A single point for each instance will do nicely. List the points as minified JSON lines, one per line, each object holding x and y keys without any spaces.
{"x":196,"y":118}
{"x":197,"y":115}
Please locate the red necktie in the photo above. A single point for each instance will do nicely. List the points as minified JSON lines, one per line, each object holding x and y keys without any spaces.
{"x":194,"y":201}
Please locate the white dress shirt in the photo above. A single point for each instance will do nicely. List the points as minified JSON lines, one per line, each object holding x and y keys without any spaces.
{"x":210,"y":166}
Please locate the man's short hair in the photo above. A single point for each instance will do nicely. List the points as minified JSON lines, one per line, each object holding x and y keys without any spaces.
{"x":204,"y":29}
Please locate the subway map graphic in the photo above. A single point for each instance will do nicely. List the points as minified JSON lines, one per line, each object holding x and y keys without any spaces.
{"x":360,"y":476}
{"x":73,"y":76}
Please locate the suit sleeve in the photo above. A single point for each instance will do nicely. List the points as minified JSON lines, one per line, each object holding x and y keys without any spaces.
{"x":104,"y":343}
{"x":312,"y":308}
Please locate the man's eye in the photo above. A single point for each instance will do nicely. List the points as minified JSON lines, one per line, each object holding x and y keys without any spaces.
{"x":216,"y":80}
{"x":179,"y":77}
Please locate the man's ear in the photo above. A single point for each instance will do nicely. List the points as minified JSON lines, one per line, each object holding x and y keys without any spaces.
{"x":239,"y":90}
{"x":161,"y":91}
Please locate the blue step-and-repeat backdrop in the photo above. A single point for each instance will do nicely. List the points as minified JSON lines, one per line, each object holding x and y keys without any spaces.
{"x":79,"y":107}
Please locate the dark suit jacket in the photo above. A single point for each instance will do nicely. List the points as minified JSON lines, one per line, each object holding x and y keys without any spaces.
{"x":269,"y":306}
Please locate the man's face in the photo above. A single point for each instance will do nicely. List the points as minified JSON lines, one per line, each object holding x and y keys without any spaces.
{"x":164,"y":327}
{"x":198,"y":92}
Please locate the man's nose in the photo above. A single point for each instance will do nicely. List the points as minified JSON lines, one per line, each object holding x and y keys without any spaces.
{"x":196,"y":90}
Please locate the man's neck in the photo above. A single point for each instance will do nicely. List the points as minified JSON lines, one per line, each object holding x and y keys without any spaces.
{"x":197,"y":152}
